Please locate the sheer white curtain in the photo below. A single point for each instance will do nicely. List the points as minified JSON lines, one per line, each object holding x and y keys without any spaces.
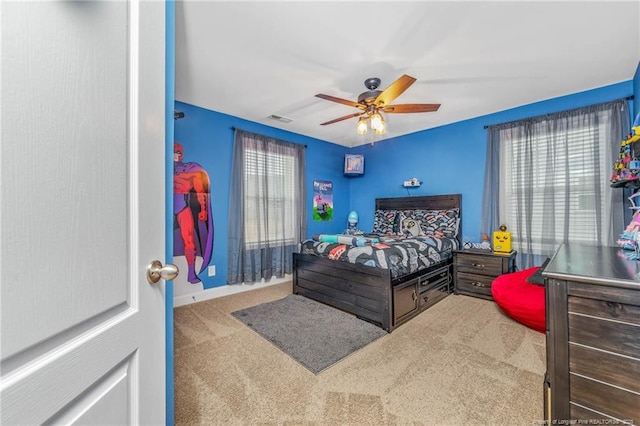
{"x":267,"y":215}
{"x":548,"y":177}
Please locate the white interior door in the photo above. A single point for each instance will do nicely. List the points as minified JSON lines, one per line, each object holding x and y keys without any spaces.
{"x":82,"y":212}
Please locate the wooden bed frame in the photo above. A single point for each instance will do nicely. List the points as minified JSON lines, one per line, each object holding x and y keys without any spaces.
{"x":369,"y":292}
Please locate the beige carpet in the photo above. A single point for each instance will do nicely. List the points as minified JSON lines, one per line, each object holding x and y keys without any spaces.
{"x":461,"y":362}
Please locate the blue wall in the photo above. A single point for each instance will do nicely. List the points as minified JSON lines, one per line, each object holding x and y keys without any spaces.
{"x":451,"y":158}
{"x":207,"y":138}
{"x":447,"y":159}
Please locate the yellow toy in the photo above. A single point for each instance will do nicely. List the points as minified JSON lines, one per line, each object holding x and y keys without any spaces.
{"x":502,"y":240}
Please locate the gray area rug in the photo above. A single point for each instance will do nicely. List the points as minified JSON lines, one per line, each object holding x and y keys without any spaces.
{"x":314,"y":334}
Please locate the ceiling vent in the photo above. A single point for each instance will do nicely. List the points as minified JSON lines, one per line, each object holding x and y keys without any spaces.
{"x":280,"y":118}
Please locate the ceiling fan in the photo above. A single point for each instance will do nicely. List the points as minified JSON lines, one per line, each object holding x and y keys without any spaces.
{"x":374,"y":101}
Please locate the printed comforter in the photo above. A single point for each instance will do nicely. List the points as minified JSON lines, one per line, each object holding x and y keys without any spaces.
{"x":401,"y":256}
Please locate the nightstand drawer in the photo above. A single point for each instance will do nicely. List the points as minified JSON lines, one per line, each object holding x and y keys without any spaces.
{"x":474,"y":270}
{"x":471,"y":283}
{"x":478,"y":264}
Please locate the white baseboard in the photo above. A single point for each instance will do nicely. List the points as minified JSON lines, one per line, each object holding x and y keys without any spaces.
{"x":225,"y":290}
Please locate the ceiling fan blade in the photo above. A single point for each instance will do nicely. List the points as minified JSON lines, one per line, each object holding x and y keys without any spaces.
{"x":394,"y":90}
{"x":346,"y":117}
{"x":340,"y":101}
{"x":403,"y":108}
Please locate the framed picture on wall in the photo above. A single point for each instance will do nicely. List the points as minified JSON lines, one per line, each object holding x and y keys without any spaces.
{"x":353,"y":165}
{"x":322,"y":200}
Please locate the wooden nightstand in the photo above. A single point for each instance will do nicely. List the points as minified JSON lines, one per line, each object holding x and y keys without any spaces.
{"x":474,"y":270}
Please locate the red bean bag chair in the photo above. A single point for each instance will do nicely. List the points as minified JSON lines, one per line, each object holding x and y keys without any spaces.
{"x":519,"y":299}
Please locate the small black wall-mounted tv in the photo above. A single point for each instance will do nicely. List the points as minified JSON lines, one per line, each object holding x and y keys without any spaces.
{"x":353,"y":165}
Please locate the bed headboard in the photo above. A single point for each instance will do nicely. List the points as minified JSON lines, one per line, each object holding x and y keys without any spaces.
{"x":424,"y":202}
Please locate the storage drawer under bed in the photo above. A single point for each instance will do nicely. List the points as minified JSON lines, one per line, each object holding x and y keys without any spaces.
{"x":435,"y":293}
{"x":417,"y":294}
{"x":434,"y":278}
{"x":434,"y":286}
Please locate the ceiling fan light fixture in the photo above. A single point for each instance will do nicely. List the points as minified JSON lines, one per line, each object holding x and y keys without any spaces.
{"x":362,"y":126}
{"x":377,"y":122}
{"x":371,"y":102}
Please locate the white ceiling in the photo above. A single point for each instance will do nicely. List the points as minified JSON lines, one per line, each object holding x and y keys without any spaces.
{"x":255,"y":59}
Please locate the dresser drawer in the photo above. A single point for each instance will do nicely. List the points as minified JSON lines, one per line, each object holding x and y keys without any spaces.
{"x":478,"y":264}
{"x":600,"y":397}
{"x":472,"y":283}
{"x":604,"y":366}
{"x":614,"y":308}
{"x":587,"y":416}
{"x":613,"y":336}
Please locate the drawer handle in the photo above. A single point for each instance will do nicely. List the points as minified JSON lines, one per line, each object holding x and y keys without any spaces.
{"x":477,"y":284}
{"x":614,"y":309}
{"x":429,"y":280}
{"x":414,"y":296}
{"x":477,"y":265}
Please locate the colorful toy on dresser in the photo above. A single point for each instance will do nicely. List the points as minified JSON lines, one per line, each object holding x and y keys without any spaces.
{"x":630,"y":239}
{"x":626,"y":168}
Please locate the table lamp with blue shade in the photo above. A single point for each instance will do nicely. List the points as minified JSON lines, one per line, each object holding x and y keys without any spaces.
{"x":352,"y":221}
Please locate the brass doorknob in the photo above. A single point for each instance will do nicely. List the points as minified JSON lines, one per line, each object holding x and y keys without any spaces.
{"x":155,"y":271}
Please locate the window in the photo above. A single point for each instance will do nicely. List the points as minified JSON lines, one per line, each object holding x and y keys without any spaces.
{"x":548,"y":179}
{"x":270,"y":189}
{"x":267,"y":209}
{"x":565,"y":175}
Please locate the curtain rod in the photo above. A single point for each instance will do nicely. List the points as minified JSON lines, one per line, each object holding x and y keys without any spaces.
{"x":628,"y":98}
{"x":235,"y":128}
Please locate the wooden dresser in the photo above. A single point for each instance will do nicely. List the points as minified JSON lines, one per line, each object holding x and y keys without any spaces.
{"x":593,"y":337}
{"x":474,"y":270}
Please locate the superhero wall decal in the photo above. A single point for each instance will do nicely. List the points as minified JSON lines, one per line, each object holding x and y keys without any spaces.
{"x":192,"y":219}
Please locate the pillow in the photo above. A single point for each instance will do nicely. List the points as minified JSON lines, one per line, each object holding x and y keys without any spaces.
{"x":383,"y":221}
{"x":397,"y":223}
{"x":411,"y":227}
{"x":437,"y":222}
{"x":357,"y":241}
{"x":537,"y":278}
